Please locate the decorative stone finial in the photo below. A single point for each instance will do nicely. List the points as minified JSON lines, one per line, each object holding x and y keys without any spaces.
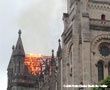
{"x":19,"y":32}
{"x":59,"y":40}
{"x":13,"y":47}
{"x":52,"y":53}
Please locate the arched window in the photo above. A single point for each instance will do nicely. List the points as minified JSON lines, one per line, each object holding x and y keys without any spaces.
{"x":104,"y":49}
{"x":109,"y":68}
{"x":103,"y":17}
{"x":100,"y":70}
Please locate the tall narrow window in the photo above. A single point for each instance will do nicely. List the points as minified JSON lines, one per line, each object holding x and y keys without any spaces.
{"x":109,"y":68}
{"x":102,"y":17}
{"x":100,"y":70}
{"x":70,"y":59}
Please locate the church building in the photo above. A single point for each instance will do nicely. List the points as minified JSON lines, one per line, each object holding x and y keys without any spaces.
{"x":20,"y":78}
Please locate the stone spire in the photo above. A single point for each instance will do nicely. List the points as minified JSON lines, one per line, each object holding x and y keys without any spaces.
{"x":19,"y":49}
{"x":59,"y":51}
{"x":52,"y":53}
{"x":53,"y":59}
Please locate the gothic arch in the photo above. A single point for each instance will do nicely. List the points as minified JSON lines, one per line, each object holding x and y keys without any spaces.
{"x":103,"y":17}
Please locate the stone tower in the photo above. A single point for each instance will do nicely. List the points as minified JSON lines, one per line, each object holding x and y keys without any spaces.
{"x":18,"y":76}
{"x":59,"y":66}
{"x":86,"y":42}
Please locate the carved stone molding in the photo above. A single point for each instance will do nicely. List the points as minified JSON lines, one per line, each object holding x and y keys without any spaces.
{"x":99,"y":39}
{"x":95,"y":47}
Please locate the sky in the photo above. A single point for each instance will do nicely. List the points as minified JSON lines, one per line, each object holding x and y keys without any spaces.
{"x":41,"y":24}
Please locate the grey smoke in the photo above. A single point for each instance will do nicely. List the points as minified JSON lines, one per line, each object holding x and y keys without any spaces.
{"x":41,"y":24}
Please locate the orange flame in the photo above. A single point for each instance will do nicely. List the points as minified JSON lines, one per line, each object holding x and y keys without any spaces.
{"x":34,"y":63}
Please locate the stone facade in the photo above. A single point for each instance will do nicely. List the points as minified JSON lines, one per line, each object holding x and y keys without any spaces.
{"x":85,"y":42}
{"x":19,"y":78}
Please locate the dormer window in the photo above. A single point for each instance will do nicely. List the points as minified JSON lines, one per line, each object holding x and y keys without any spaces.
{"x":103,"y":17}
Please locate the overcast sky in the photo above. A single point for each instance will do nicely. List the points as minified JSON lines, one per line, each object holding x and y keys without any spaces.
{"x":41,"y":25}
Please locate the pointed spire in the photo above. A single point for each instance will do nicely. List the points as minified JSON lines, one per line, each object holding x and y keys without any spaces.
{"x":13,"y":51}
{"x":59,"y":49}
{"x":53,"y":59}
{"x":19,"y":50}
{"x":13,"y":47}
{"x":52,"y":53}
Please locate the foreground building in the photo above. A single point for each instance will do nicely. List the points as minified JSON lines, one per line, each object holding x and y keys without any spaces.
{"x":86,"y":42}
{"x":20,"y":78}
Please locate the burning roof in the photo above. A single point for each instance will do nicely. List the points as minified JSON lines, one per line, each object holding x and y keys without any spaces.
{"x":35,"y":63}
